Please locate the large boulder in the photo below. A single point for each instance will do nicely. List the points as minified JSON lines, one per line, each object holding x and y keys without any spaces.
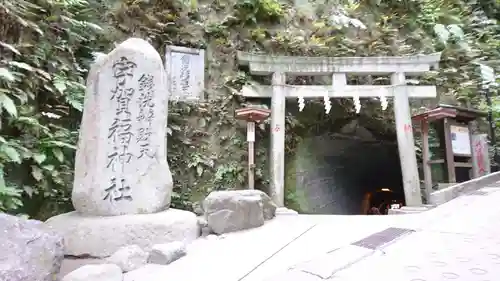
{"x":29,"y":251}
{"x":101,"y":237}
{"x":228,"y":211}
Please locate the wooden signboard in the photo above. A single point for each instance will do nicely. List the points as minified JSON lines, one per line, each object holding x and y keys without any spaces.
{"x":185,"y":69}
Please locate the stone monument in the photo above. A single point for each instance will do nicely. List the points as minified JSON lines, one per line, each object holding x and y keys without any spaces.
{"x":123,"y":184}
{"x":121,"y":165}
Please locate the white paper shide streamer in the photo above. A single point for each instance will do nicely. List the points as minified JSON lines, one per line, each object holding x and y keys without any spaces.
{"x":302,"y":103}
{"x":357,"y":103}
{"x":383,"y":102}
{"x":328,"y":104}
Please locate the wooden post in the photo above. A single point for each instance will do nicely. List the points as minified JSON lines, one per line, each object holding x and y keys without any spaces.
{"x":450,"y":158}
{"x":426,"y":166}
{"x":406,"y":144}
{"x":251,"y":153}
{"x":472,"y":172}
{"x":277,"y":154}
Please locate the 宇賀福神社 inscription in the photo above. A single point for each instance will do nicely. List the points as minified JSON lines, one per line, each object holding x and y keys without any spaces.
{"x":146,"y":115}
{"x":120,"y":132}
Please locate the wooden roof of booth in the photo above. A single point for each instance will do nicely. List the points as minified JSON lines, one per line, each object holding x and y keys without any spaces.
{"x":252,"y":114}
{"x":450,"y":111}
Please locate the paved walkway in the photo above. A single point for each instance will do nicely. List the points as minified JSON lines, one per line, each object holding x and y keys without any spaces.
{"x":459,"y":240}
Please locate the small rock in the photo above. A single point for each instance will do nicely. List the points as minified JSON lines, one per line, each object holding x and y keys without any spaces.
{"x":204,"y":228}
{"x":129,"y":258}
{"x":167,"y":253}
{"x":212,"y":237}
{"x":70,"y":264}
{"x":198,"y":208}
{"x":94,"y":272}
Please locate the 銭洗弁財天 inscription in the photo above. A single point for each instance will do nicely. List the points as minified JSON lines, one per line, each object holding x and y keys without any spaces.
{"x":146,"y":115}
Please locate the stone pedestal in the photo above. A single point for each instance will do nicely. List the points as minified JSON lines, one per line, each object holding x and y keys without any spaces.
{"x":102,"y":236}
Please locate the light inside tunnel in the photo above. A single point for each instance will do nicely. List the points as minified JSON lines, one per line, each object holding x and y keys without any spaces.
{"x":334,"y":175}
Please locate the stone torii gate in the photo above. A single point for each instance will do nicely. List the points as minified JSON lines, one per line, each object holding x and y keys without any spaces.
{"x":339,"y":67}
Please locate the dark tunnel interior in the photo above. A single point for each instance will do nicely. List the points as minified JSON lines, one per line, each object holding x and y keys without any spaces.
{"x":341,"y":178}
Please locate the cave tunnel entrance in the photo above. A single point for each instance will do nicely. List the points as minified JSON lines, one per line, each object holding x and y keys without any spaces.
{"x":347,"y":171}
{"x":349,"y":177}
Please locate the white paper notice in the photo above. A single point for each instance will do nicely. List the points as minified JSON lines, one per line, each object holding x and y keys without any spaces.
{"x":460,"y":140}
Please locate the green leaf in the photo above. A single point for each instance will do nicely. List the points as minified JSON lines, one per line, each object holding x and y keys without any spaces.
{"x":93,"y":26}
{"x":29,"y":190}
{"x":8,"y":105}
{"x":442,"y":33}
{"x":61,"y":144}
{"x":2,"y":179}
{"x":456,"y":31}
{"x":6,"y":74}
{"x":75,"y":104}
{"x":199,"y":170}
{"x":21,"y":65}
{"x":44,"y":74}
{"x":48,"y":167}
{"x":10,"y":47}
{"x":37,"y":173}
{"x":194,"y":4}
{"x":60,"y":86}
{"x":202,"y":122}
{"x":58,"y":154}
{"x":39,"y":157}
{"x":12,"y":153}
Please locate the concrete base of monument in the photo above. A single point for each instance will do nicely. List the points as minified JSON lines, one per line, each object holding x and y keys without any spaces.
{"x":98,"y":237}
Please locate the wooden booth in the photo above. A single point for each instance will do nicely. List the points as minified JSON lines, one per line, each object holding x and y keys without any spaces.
{"x":452,"y":151}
